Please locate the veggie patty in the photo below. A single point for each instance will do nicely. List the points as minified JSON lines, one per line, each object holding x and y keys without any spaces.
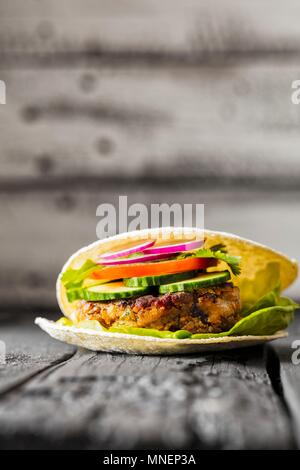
{"x":204,"y":310}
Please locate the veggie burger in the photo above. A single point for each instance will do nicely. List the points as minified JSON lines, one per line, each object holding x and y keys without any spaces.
{"x":202,"y":288}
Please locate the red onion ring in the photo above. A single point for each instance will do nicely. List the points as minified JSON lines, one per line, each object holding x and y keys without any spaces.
{"x":127,"y":251}
{"x":176,"y":248}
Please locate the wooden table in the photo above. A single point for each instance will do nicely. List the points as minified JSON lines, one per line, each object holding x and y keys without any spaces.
{"x":54,"y":396}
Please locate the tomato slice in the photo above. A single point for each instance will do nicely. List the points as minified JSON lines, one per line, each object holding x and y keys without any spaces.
{"x":152,"y":269}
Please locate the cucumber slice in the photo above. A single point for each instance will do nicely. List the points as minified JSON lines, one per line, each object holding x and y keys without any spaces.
{"x":158,"y":280}
{"x":203,"y":280}
{"x":113,"y":291}
{"x":77,"y":293}
{"x":74,"y":294}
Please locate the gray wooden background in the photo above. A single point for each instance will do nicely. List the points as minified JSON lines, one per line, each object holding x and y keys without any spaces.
{"x":166,"y":101}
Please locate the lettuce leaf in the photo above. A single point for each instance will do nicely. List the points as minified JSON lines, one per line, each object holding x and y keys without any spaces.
{"x":73,"y":278}
{"x":265,"y":321}
{"x":270,"y":299}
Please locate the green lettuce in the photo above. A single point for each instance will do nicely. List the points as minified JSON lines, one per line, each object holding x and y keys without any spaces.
{"x":72,"y":278}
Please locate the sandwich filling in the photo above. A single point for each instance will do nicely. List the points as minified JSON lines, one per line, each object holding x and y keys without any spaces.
{"x":204,"y":310}
{"x":178,"y":291}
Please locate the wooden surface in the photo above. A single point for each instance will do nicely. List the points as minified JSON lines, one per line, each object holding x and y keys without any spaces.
{"x":150,"y":27}
{"x":149,"y":88}
{"x":231,"y":123}
{"x":59,"y":398}
{"x":28,"y":353}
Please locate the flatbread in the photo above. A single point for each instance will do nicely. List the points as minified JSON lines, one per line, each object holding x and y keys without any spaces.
{"x":133,"y":344}
{"x":262,"y":268}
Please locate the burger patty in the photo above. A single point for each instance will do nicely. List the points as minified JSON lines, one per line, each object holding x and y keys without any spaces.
{"x":205,"y":310}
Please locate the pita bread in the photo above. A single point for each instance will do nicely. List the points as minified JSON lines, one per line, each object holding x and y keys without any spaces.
{"x":261,"y":268}
{"x":133,"y":344}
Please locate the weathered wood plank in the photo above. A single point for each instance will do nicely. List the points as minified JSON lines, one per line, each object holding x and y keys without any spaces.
{"x":44,"y":227}
{"x":226,"y":123}
{"x":116,"y":401}
{"x":188,"y":30}
{"x":28,"y":352}
{"x":288,"y":372}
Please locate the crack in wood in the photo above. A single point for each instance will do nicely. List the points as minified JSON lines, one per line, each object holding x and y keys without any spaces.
{"x":28,"y":378}
{"x":159,"y":183}
{"x":134,"y":58}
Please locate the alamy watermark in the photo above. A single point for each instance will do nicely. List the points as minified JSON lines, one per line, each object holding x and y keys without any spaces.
{"x":295,"y":96}
{"x":138,"y":216}
{"x":296,"y":354}
{"x":2,"y":92}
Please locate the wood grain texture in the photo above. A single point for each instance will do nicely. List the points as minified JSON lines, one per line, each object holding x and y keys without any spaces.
{"x":130,"y":402}
{"x":28,"y":352}
{"x":44,"y":227}
{"x":227,"y":124}
{"x":182,"y":30}
{"x":287,"y":370}
{"x":142,"y":90}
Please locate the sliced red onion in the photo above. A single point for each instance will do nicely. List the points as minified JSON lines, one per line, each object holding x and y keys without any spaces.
{"x":179,"y":247}
{"x":127,"y":251}
{"x":135,"y":259}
